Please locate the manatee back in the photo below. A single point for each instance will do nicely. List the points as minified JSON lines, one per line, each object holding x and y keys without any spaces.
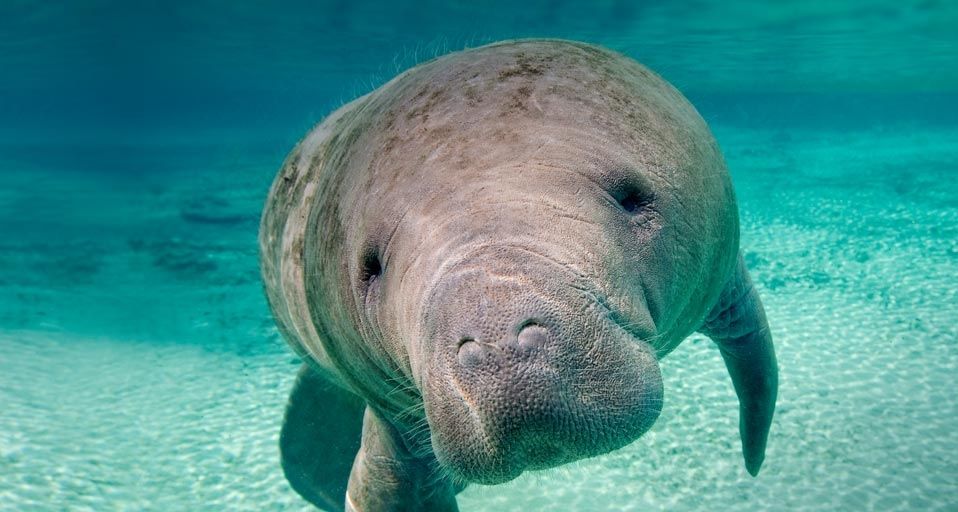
{"x":283,"y":231}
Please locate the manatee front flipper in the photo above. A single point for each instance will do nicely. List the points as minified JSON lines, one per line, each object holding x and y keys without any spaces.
{"x":737,"y":325}
{"x":386,"y":476}
{"x":321,"y":434}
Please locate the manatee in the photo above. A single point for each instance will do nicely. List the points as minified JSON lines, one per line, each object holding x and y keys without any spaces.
{"x":482,"y":263}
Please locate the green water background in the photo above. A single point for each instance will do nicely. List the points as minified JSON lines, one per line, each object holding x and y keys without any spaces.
{"x":139,"y":367}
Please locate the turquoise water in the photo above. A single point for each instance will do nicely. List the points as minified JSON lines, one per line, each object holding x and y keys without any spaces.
{"x":140,"y":368}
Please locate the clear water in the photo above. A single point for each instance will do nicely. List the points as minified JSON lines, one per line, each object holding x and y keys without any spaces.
{"x":139,"y":367}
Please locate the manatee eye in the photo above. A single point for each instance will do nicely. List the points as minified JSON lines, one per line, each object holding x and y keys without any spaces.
{"x":372,"y":268}
{"x":633,"y":200}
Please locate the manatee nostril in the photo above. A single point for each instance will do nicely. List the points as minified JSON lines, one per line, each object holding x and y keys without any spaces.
{"x":532,"y":336}
{"x":470,"y":353}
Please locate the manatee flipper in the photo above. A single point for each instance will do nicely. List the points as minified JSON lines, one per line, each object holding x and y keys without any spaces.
{"x":386,"y":476}
{"x":738,"y":326}
{"x":321,"y":434}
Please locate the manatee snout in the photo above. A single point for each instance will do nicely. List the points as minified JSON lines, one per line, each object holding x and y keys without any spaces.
{"x":528,"y":372}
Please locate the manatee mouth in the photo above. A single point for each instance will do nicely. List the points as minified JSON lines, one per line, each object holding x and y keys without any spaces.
{"x":581,"y":399}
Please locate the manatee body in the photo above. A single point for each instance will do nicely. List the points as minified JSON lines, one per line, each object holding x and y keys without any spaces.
{"x":482,"y":262}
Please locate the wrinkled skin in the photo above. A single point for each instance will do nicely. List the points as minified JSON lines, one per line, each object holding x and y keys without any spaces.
{"x":492,"y":252}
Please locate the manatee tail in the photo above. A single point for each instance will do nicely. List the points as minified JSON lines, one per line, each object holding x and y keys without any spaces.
{"x":738,"y":326}
{"x":321,"y":434}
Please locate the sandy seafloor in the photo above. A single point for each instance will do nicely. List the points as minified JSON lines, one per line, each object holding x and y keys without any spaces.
{"x":139,"y":369}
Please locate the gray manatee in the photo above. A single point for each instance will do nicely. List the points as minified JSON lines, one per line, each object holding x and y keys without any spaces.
{"x":482,"y":262}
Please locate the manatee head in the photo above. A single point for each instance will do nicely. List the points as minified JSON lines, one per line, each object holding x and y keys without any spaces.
{"x":533,"y":225}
